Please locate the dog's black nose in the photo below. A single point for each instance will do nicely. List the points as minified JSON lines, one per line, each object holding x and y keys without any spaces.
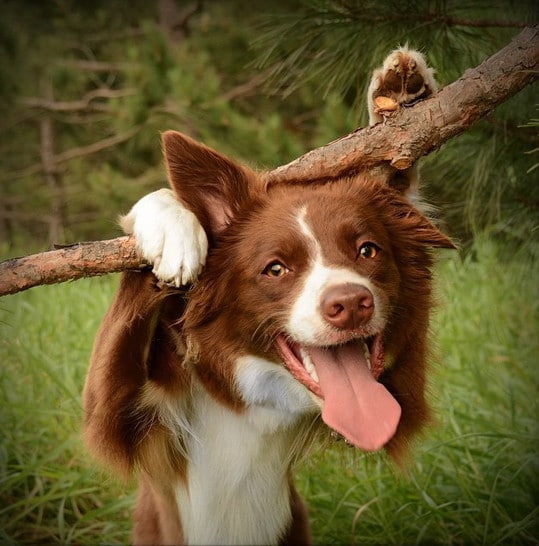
{"x":347,"y":306}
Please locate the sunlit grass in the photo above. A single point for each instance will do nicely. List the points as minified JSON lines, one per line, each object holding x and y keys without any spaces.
{"x":472,"y":480}
{"x":49,"y":490}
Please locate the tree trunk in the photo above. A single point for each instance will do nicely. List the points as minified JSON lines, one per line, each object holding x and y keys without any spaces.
{"x":6,"y":223}
{"x":53,"y":177}
{"x":174,"y":21}
{"x":393,"y":145}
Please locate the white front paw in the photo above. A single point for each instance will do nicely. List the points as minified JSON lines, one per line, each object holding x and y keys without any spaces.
{"x":169,"y":236}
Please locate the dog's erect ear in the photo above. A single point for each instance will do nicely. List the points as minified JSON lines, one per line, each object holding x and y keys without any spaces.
{"x":209,"y":184}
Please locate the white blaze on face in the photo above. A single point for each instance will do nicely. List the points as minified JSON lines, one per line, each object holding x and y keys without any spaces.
{"x":306,"y":324}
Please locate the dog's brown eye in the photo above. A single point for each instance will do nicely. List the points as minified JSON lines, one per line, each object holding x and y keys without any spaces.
{"x":368,"y":251}
{"x":275,"y":269}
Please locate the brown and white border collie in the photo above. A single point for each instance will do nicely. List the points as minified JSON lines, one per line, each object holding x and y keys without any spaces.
{"x":312,"y":308}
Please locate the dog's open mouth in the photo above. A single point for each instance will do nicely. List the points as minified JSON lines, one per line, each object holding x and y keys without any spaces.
{"x":345,"y":377}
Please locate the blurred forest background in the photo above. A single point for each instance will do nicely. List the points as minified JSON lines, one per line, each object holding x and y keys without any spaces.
{"x":88,"y":86}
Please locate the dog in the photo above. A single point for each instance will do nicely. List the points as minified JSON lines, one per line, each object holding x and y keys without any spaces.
{"x":306,"y":311}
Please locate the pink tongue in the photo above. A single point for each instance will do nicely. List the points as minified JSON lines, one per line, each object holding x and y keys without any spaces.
{"x":355,"y":404}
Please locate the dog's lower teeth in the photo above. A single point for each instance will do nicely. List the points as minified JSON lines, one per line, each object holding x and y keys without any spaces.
{"x":367,"y":354}
{"x":308,"y":365}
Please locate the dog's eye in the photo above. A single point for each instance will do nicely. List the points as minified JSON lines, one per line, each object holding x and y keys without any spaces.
{"x":368,"y":251}
{"x":275,"y":269}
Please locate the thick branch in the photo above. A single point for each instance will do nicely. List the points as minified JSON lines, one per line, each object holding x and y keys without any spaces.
{"x":395,"y":144}
{"x":417,"y":131}
{"x":69,"y":263}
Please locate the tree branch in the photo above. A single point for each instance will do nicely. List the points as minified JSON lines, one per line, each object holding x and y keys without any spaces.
{"x":85,"y":104}
{"x":69,"y":263}
{"x":417,"y":131}
{"x":74,"y":153}
{"x":384,"y":148}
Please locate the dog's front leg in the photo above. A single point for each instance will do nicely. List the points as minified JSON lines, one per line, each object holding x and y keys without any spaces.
{"x":299,"y":532}
{"x":119,"y":370}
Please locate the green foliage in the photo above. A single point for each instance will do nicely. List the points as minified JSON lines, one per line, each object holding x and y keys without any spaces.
{"x":472,"y":479}
{"x":136,"y":84}
{"x":336,"y":44}
{"x":483,"y":180}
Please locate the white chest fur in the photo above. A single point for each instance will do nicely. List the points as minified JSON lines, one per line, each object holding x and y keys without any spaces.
{"x":237,"y":488}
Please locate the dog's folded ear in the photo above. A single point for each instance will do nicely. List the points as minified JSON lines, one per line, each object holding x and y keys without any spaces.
{"x":208,"y":183}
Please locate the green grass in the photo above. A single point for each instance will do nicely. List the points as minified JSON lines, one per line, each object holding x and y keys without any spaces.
{"x":473,"y":478}
{"x":50,"y":493}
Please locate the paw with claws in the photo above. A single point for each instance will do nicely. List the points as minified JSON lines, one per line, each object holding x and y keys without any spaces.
{"x":169,"y":236}
{"x":404,"y":79}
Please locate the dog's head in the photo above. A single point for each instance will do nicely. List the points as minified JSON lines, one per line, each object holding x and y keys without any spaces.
{"x":313,"y":296}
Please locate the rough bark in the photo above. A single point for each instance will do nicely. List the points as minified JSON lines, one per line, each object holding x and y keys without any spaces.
{"x":69,"y":263}
{"x":384,"y":148}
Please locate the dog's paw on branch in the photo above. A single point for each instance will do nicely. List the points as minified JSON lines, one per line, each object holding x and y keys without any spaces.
{"x":383,"y":148}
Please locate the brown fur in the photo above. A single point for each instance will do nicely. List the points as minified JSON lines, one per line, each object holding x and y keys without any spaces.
{"x":155,"y":342}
